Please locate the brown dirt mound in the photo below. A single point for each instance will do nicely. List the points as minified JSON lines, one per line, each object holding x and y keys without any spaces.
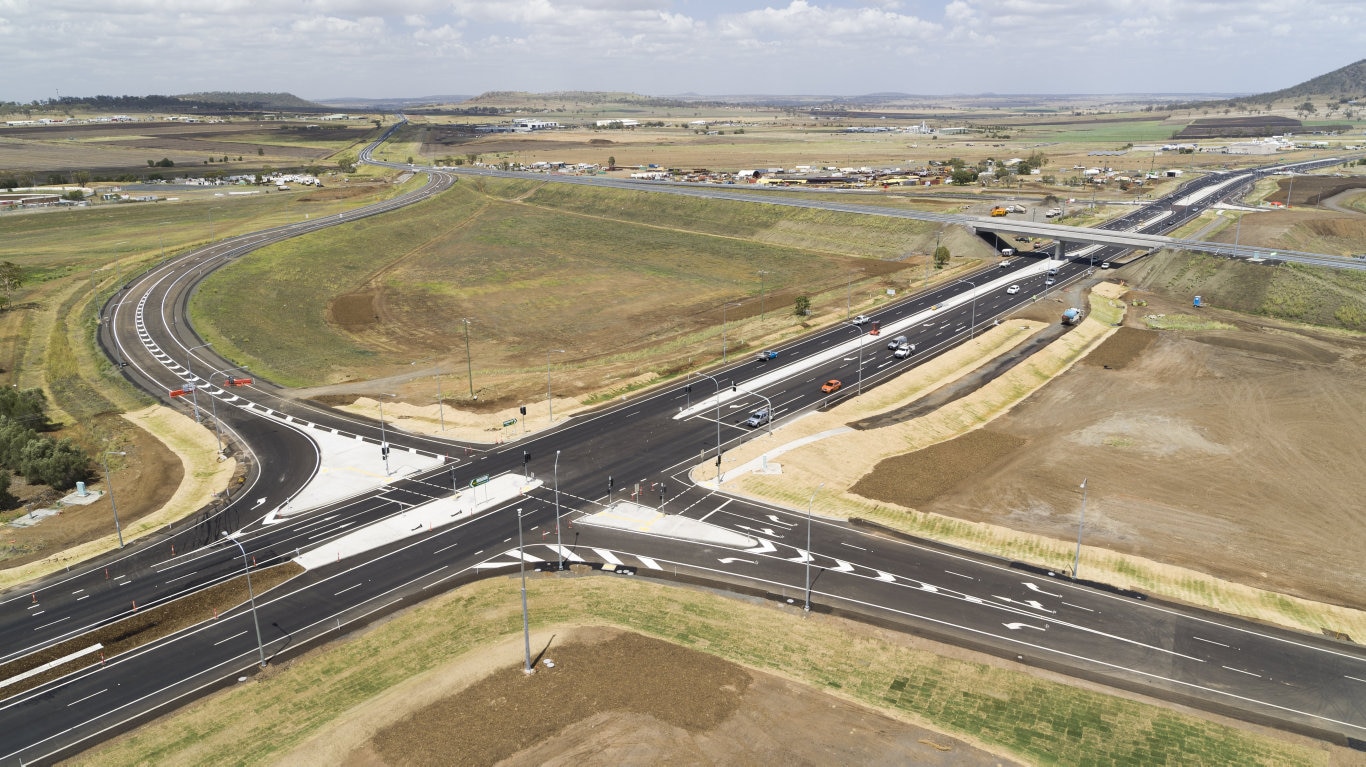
{"x":1120,"y":349}
{"x":622,"y":698}
{"x":916,"y":478}
{"x":355,"y":312}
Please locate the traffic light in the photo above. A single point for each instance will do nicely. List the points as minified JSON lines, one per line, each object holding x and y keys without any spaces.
{"x":523,"y":409}
{"x":688,"y":388}
{"x":609,"y":481}
{"x":384,"y":451}
{"x":526,"y":456}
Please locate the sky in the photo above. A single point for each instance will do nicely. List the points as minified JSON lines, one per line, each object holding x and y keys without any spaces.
{"x":320,"y":49}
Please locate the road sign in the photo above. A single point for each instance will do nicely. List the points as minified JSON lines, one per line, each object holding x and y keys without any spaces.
{"x":509,"y":421}
{"x":479,"y":480}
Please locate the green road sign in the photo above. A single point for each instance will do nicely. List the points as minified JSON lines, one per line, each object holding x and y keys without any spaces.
{"x":479,"y":480}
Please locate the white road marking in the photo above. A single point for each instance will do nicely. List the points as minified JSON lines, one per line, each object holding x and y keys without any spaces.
{"x":1210,"y":641}
{"x":650,"y":563}
{"x":515,"y":554}
{"x":733,"y":560}
{"x":843,"y":567}
{"x":1018,"y":626}
{"x":1079,"y":607}
{"x":852,"y":546}
{"x":607,"y":556}
{"x":888,"y":577}
{"x":804,"y":556}
{"x":1035,"y":587}
{"x":1240,"y":671}
{"x":565,"y":553}
{"x":348,"y":588}
{"x":438,"y":551}
{"x":234,"y":636}
{"x":764,"y":547}
{"x":88,"y":697}
{"x":960,"y":575}
{"x":1354,"y":679}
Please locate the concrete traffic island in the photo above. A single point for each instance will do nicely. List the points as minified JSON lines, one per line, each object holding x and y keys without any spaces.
{"x":416,"y":520}
{"x":633,"y":517}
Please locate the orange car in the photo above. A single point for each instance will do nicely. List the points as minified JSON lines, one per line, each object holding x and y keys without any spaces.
{"x":833,"y":384}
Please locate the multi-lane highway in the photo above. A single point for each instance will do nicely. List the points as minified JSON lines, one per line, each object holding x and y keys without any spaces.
{"x":1265,"y":674}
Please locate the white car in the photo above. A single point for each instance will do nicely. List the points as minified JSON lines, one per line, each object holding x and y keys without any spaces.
{"x":1105,"y":265}
{"x":1048,"y":281}
{"x":1012,"y":290}
{"x":861,"y":319}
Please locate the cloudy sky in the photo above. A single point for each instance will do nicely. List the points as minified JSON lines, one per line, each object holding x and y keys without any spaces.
{"x":391,"y":48}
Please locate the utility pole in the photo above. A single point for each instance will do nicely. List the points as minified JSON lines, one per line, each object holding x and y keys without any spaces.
{"x":1076,"y":561}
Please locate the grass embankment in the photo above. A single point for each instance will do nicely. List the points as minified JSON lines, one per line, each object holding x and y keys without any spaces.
{"x":1331,"y":298}
{"x":142,"y":627}
{"x":839,"y":461}
{"x":575,"y":264}
{"x":1040,"y":721}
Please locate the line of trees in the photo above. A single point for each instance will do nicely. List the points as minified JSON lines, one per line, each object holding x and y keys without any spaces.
{"x":41,"y":460}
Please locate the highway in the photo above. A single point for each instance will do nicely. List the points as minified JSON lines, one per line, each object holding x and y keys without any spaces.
{"x":1277,"y":677}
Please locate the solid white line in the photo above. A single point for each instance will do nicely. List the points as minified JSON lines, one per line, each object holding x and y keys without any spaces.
{"x":40,"y":612}
{"x":852,"y":546}
{"x":1087,"y":609}
{"x":88,"y":697}
{"x":1354,"y":678}
{"x":234,"y":636}
{"x":438,"y":551}
{"x":348,"y":588}
{"x":1210,"y":641}
{"x":84,"y":596}
{"x":54,"y":623}
{"x":1240,"y":671}
{"x":960,"y":575}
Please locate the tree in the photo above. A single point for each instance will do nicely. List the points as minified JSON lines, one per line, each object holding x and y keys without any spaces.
{"x":346,"y":164}
{"x":612,"y":161}
{"x":802,"y":306}
{"x":941,"y":257}
{"x":11,"y":276}
{"x":964,"y":176}
{"x":7,"y":499}
{"x":260,"y":151}
{"x":81,"y":177}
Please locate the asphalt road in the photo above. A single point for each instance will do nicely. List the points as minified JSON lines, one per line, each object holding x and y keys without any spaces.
{"x":1278,"y":677}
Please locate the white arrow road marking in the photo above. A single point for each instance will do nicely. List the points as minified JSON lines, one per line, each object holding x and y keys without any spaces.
{"x":733,"y":560}
{"x":765,"y":530}
{"x":803,"y":556}
{"x":1018,"y":626}
{"x":764,"y":547}
{"x":607,"y":556}
{"x":778,"y":521}
{"x":888,"y":577}
{"x":1031,"y":603}
{"x":843,"y":567}
{"x":650,"y":563}
{"x":259,"y":501}
{"x":1035,"y":587}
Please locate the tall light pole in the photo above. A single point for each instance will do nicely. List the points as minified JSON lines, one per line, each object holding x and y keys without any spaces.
{"x":761,"y":294}
{"x":718,"y":426}
{"x":194,"y":388}
{"x":972,"y":326}
{"x":1076,"y":560}
{"x":383,"y":441}
{"x":559,"y":539}
{"x":723,"y":330}
{"x":809,"y":504}
{"x":549,"y":398}
{"x":440,"y":406}
{"x":861,"y":334}
{"x":1291,"y":189}
{"x":110,"y":479}
{"x":1237,"y":233}
{"x":469,"y":364}
{"x":213,"y":403}
{"x":251,"y":594}
{"x":526,"y":625}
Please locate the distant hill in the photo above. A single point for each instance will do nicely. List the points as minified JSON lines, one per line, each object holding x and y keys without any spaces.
{"x":1340,"y":85}
{"x":249,"y":100}
{"x":386,"y":104}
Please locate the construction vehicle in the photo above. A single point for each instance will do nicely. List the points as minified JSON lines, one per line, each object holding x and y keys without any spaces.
{"x":998,"y":211}
{"x":1071,"y":316}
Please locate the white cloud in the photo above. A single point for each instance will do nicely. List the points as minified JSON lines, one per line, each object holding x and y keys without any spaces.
{"x":319,"y":48}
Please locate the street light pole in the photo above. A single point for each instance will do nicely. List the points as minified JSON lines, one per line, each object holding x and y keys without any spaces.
{"x":861,"y":334}
{"x":559,"y":538}
{"x":469,"y":363}
{"x":718,"y":427}
{"x":1076,"y":560}
{"x":383,"y":441}
{"x":110,"y":479}
{"x":251,"y":594}
{"x":972,"y":326}
{"x":761,"y":294}
{"x":526,"y":625}
{"x":549,"y":398}
{"x":194,"y":388}
{"x":807,"y":607}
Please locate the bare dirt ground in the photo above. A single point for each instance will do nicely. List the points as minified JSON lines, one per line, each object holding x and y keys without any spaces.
{"x":614,"y":697}
{"x":1233,"y":452}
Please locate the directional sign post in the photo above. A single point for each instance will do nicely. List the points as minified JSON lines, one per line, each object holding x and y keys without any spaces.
{"x":482,"y":479}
